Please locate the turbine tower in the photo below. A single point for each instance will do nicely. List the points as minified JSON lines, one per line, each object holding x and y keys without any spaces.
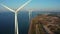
{"x":30,"y":12}
{"x":16,"y":11}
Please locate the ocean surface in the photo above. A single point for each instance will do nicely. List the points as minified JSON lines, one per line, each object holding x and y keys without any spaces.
{"x":7,"y":21}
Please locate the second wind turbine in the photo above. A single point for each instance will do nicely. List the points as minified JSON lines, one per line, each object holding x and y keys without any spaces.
{"x":16,"y":20}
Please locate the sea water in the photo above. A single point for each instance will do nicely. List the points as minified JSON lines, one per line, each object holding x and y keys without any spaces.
{"x":7,"y":21}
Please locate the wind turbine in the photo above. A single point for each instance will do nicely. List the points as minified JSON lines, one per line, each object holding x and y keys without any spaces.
{"x":16,"y":11}
{"x":30,"y":12}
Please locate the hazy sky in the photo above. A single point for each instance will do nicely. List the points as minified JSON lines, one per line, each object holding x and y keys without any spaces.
{"x":34,"y":4}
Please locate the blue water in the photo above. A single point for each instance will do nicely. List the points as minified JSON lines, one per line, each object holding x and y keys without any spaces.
{"x":7,"y":21}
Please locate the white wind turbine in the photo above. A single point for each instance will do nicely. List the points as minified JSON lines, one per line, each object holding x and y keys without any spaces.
{"x":30,"y":12}
{"x":16,"y":21}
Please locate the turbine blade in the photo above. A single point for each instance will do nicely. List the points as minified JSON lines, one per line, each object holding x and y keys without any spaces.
{"x":7,"y":8}
{"x":23,"y":5}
